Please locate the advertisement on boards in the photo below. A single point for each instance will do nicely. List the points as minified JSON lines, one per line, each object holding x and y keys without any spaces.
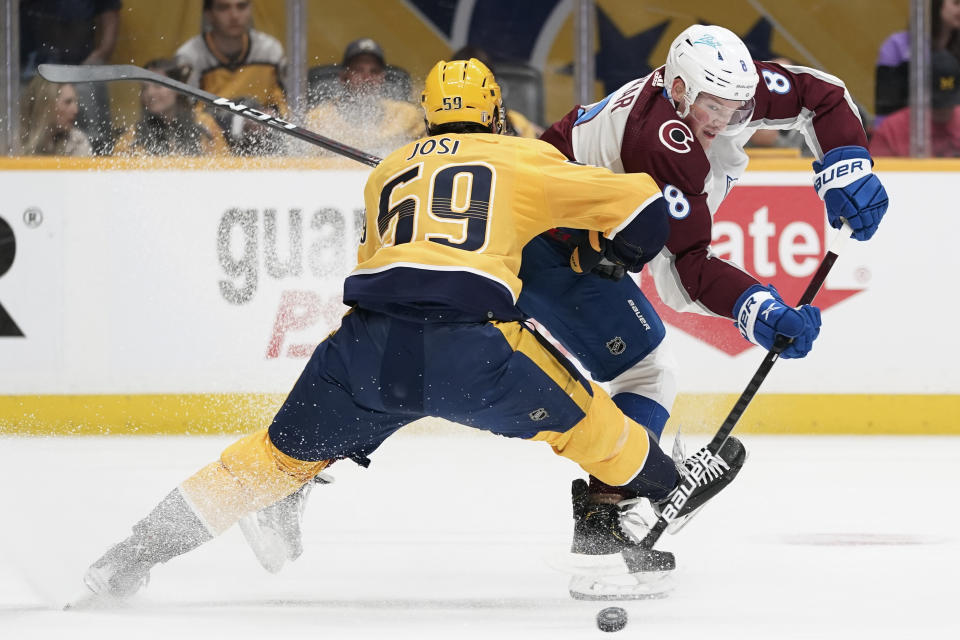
{"x":224,"y":281}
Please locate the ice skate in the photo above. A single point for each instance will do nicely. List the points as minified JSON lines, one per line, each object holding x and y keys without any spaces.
{"x":679,"y":454}
{"x":702,"y":476}
{"x":170,"y":530}
{"x":120,"y":573}
{"x":606,"y":558}
{"x":274,"y":532}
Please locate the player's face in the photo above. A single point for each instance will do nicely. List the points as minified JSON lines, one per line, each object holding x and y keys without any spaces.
{"x":230,"y":18}
{"x":66,"y":107}
{"x":711,"y":115}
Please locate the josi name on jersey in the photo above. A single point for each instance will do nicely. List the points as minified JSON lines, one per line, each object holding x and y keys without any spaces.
{"x":442,"y":146}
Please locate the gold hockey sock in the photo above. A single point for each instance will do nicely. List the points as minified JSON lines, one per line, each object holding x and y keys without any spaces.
{"x":250,"y":474}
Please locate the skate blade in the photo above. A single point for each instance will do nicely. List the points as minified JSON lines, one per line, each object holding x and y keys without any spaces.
{"x":266,"y":544}
{"x":87,"y":600}
{"x":578,"y":564}
{"x":651,"y":585}
{"x":681,"y":522}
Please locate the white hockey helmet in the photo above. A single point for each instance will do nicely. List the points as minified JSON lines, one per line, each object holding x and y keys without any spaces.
{"x":711,"y":59}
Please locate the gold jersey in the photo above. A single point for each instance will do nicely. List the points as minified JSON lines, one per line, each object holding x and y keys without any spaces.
{"x":447,"y":218}
{"x":257,"y":72}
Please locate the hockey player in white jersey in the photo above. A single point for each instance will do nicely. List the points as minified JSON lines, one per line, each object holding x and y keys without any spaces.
{"x":685,"y":124}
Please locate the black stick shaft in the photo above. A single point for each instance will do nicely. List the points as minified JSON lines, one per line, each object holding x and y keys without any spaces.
{"x":754,"y":385}
{"x":778,"y":346}
{"x":114,"y":72}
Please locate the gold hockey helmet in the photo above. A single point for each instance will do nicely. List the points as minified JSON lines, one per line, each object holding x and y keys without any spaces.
{"x":462,"y":91}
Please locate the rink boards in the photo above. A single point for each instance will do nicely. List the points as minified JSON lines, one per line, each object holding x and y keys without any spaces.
{"x":185,"y":297}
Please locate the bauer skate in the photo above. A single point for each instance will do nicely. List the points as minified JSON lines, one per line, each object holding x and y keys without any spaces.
{"x":702,"y":476}
{"x":627,"y":570}
{"x":607,"y":560}
{"x":274,"y":532}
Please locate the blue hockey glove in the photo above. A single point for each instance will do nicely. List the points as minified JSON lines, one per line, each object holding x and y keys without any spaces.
{"x":761,"y":314}
{"x":846,"y":183}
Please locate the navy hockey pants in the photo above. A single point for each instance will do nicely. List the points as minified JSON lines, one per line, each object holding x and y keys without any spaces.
{"x":378,"y":373}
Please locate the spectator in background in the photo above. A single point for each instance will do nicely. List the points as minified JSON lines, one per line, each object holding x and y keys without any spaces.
{"x":248,"y":138}
{"x":232,"y":59}
{"x":892,"y":137}
{"x":169,"y":124}
{"x":893,"y":59}
{"x":48,"y":120}
{"x":73,"y":32}
{"x":359,"y":114}
{"x":517,"y":123}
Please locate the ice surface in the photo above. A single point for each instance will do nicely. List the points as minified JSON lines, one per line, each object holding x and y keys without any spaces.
{"x":446,"y":536}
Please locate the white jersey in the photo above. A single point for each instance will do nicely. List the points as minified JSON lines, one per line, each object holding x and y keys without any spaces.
{"x":637,"y":129}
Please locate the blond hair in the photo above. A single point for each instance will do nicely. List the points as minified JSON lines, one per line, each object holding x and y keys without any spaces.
{"x":38,"y":119}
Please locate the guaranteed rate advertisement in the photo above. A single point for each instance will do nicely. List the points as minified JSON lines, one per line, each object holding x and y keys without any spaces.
{"x":206,"y":282}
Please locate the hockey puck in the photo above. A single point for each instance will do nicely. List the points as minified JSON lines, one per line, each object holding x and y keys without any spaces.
{"x":612,"y":619}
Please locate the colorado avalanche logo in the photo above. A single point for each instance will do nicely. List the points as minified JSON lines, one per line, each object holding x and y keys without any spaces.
{"x":676,"y":136}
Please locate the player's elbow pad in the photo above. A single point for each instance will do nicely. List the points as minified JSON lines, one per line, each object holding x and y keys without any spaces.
{"x":642,"y":239}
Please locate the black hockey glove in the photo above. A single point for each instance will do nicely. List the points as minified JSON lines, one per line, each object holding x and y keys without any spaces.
{"x":592,"y":253}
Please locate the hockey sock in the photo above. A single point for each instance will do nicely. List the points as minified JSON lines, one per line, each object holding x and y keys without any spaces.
{"x":171,"y":529}
{"x":251,"y":474}
{"x":655,"y":480}
{"x":657,"y":477}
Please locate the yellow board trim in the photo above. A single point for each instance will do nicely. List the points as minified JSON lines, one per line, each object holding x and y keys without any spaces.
{"x":142,"y":414}
{"x":761,"y":160}
{"x":231,"y":413}
{"x":175,"y":163}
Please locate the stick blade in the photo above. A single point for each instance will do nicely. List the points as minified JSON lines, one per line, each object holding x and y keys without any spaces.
{"x":89,"y":72}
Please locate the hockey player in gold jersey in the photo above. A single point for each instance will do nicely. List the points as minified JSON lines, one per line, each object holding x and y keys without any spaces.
{"x":434,"y":331}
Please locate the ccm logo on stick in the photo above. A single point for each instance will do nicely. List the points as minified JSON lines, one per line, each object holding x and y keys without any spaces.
{"x":266,"y":118}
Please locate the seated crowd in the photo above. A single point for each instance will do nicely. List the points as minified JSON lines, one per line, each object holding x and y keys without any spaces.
{"x":362,"y":102}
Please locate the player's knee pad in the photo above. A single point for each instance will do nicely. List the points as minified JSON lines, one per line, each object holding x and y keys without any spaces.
{"x":605,"y":443}
{"x":251,"y":474}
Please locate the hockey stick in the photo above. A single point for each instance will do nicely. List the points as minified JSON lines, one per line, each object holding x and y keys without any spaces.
{"x":110,"y":72}
{"x":778,"y":346}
